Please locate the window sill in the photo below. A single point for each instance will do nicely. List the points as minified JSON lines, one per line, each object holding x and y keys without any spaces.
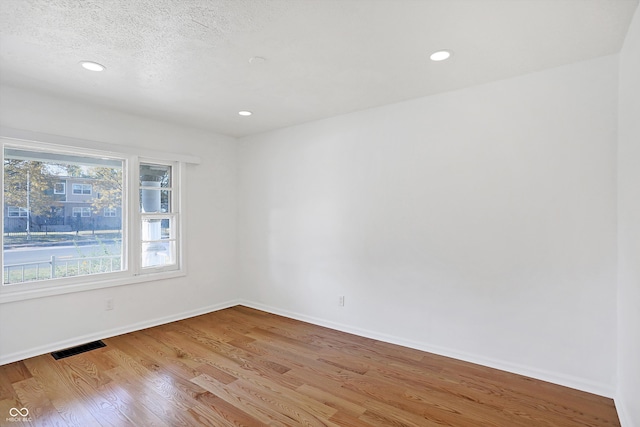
{"x":7,"y":296}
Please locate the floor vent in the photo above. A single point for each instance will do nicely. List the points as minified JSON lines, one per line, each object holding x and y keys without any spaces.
{"x":77,"y":350}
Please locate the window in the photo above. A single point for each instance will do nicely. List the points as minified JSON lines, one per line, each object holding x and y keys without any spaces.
{"x":59,"y":188}
{"x":137,"y":237}
{"x":48,"y":252}
{"x":14,"y":212}
{"x":157,"y":216}
{"x":81,"y":188}
{"x":82,"y":212}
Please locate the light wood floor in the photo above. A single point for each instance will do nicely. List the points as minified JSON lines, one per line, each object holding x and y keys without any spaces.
{"x":243,"y":367}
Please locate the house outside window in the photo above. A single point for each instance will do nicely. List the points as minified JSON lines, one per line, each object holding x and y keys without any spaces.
{"x":59,"y":188}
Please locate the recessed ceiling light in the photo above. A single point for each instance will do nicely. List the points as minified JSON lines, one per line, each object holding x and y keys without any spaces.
{"x":245,"y":113}
{"x":92,"y":66}
{"x":440,"y":55}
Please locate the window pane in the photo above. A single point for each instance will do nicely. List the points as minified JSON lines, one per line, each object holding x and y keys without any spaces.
{"x":154,"y":181}
{"x":57,"y":233}
{"x":155,"y":173}
{"x":158,"y":254}
{"x":158,"y":245}
{"x":155,"y":201}
{"x":154,"y":229}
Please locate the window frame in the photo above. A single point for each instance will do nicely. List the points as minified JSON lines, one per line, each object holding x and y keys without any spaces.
{"x":175,"y":207}
{"x":64,"y":187}
{"x":132,"y":271}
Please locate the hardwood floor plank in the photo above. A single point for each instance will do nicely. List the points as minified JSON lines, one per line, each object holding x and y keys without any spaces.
{"x":223,"y":331}
{"x":344,"y":406}
{"x":101,"y":408}
{"x":247,"y":404}
{"x":231,"y":414}
{"x":154,"y":355}
{"x":16,"y":372}
{"x":442,"y":408}
{"x":231,"y":349}
{"x":162,"y":384}
{"x":34,"y":397}
{"x":346,"y":363}
{"x":299,"y":408}
{"x":61,"y":390}
{"x":379,"y":414}
{"x":404,"y":354}
{"x":443,"y":395}
{"x":216,"y":373}
{"x":6,"y":389}
{"x":148,"y":399}
{"x":347,"y":420}
{"x":330,"y":384}
{"x":245,"y":367}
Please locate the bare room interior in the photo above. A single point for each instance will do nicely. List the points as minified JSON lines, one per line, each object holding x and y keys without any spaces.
{"x":320,"y":212}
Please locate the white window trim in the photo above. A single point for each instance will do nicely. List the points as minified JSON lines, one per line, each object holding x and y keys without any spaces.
{"x":131,"y":156}
{"x":44,"y":139}
{"x":64,"y":188}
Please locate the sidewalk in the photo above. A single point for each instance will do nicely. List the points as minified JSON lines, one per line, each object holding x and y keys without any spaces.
{"x":70,"y":240}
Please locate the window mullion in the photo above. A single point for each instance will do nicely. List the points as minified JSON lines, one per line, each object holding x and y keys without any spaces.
{"x":135,"y":219}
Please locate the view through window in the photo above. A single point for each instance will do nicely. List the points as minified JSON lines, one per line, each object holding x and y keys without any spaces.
{"x":158,"y":217}
{"x":52,"y":233}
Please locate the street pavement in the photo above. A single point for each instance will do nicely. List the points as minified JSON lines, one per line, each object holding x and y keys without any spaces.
{"x":43,"y":254}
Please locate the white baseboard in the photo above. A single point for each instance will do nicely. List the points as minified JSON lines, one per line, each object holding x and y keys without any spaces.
{"x":552,"y":377}
{"x":623,"y":414}
{"x":581,"y":384}
{"x":54,"y":346}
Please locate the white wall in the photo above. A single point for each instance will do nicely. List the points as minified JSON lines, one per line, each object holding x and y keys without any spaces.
{"x":479,"y":223}
{"x":628,"y":398}
{"x":40,"y":325}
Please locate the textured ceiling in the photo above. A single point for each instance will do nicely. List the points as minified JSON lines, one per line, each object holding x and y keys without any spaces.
{"x":187,"y":61}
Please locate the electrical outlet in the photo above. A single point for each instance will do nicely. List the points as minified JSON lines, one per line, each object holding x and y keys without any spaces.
{"x":109,"y":304}
{"x":341,"y":301}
